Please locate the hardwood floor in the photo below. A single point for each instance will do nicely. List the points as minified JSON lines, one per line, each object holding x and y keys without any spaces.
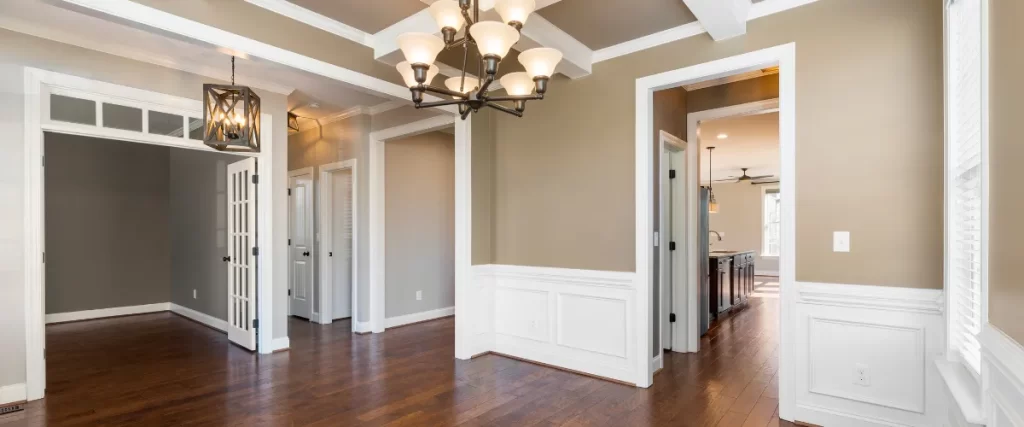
{"x":161,"y":369}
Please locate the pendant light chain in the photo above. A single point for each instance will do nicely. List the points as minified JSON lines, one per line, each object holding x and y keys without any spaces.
{"x":232,"y":70}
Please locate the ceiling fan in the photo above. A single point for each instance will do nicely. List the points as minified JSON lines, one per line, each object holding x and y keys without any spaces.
{"x":746,"y":177}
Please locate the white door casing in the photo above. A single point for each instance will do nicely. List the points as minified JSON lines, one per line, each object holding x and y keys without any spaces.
{"x":242,"y":203}
{"x":339,"y":258}
{"x":300,"y":249}
{"x":672,"y":230}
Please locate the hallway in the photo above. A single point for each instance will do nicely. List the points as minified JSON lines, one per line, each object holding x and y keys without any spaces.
{"x":161,"y":369}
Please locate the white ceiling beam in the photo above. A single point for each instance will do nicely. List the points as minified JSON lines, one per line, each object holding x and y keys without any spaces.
{"x":723,"y":19}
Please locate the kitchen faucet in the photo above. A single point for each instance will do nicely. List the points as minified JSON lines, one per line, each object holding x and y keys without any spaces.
{"x":717,"y":235}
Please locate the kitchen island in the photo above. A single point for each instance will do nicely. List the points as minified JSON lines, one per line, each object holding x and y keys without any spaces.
{"x":731,"y":279}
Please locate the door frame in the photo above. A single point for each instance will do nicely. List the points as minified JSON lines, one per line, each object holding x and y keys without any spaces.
{"x":785,"y":57}
{"x":313,"y":246}
{"x":668,"y":143}
{"x":38,"y":84}
{"x":326,"y":199}
{"x":464,"y":295}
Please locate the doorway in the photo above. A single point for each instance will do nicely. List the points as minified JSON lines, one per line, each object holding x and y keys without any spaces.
{"x":300,"y":243}
{"x":339,"y":255}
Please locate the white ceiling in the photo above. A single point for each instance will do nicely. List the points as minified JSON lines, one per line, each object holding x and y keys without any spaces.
{"x":42,"y":19}
{"x":753,"y":142}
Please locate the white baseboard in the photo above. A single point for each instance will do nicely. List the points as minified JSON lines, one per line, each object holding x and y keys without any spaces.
{"x":422,"y":316}
{"x":657,"y":363}
{"x":361,"y":327}
{"x":75,"y":316}
{"x":13,"y":393}
{"x":573,"y":319}
{"x":896,"y":334}
{"x":206,"y":319}
{"x":279,"y":344}
{"x":766,"y":273}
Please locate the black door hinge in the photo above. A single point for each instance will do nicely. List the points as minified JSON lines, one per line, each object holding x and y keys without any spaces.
{"x":255,"y":251}
{"x":255,"y":179}
{"x":289,"y":242}
{"x":672,"y":318}
{"x":289,"y":191}
{"x":671,"y":246}
{"x":671,"y":174}
{"x":255,"y":323}
{"x":330,"y":254}
{"x":289,"y":292}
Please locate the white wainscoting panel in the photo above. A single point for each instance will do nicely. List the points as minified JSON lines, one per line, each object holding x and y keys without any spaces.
{"x":893,"y":334}
{"x":1002,"y":378}
{"x":574,"y":319}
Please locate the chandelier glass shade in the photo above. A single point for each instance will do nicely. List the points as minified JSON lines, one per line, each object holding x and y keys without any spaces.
{"x":231,"y":117}
{"x":492,"y":41}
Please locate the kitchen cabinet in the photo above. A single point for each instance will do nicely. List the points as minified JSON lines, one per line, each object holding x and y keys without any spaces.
{"x":731,"y":280}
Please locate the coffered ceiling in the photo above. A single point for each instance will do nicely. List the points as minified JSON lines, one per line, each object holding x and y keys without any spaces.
{"x":370,"y":16}
{"x":603,"y":23}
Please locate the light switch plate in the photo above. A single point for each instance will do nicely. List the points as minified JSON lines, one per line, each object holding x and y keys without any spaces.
{"x":841,"y":241}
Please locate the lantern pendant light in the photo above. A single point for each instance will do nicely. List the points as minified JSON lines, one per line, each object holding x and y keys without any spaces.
{"x":231,"y":117}
{"x":712,"y":203}
{"x":493,"y":40}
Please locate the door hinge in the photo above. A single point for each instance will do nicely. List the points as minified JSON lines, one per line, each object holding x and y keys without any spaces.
{"x":255,"y":323}
{"x":330,"y":254}
{"x":672,"y":318}
{"x":289,"y":191}
{"x":44,"y":257}
{"x":289,"y":292}
{"x":671,"y":173}
{"x":671,"y":246}
{"x":44,"y":161}
{"x":255,"y":179}
{"x":255,"y":251}
{"x":289,"y":242}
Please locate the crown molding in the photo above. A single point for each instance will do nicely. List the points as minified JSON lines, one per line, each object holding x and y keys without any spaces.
{"x":111,"y":47}
{"x":387,"y":106}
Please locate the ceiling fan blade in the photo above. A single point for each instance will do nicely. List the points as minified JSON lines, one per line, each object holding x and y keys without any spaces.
{"x":725,"y":180}
{"x":764,"y":182}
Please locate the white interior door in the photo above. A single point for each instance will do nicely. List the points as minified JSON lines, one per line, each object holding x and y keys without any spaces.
{"x":341,"y":252}
{"x":241,"y":247}
{"x":301,"y":250}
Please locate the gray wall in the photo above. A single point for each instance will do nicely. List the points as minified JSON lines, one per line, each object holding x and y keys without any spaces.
{"x":420,"y":223}
{"x":198,"y":228}
{"x":18,"y":51}
{"x":107,"y":240}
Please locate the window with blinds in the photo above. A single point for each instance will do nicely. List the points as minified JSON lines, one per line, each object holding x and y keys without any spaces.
{"x":965,"y":192}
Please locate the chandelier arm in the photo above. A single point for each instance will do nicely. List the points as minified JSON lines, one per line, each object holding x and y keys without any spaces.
{"x":503,"y":108}
{"x":457,"y":42}
{"x":482,"y":93}
{"x":440,"y":103}
{"x":514,"y":98}
{"x":444,"y":91}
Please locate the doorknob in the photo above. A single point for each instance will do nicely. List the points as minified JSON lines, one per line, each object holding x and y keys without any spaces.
{"x":226,"y":259}
{"x":305,"y":254}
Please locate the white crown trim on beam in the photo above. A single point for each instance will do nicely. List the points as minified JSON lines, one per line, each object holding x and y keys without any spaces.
{"x":111,"y":47}
{"x":309,"y":17}
{"x":757,"y":10}
{"x":127,"y":9}
{"x":723,"y":19}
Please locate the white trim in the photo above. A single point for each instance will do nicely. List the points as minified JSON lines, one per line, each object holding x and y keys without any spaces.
{"x":464,"y":299}
{"x":314,"y":19}
{"x":74,"y":316}
{"x":785,"y":57}
{"x":12,"y":393}
{"x":667,"y":143}
{"x":757,"y":10}
{"x":39,"y":83}
{"x":315,"y":235}
{"x":361,"y":327}
{"x":206,"y":319}
{"x":422,"y":316}
{"x":657,"y":363}
{"x":347,"y":113}
{"x":388,"y":106}
{"x":1004,"y":353}
{"x":722,"y":19}
{"x":927,"y":301}
{"x":964,"y":390}
{"x":152,"y":17}
{"x":281,"y":343}
{"x":326,"y":200}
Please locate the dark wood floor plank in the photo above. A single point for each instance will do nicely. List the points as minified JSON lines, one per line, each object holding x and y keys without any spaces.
{"x":161,"y":369}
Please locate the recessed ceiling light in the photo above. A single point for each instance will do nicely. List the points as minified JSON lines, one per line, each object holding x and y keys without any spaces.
{"x":722,"y":136}
{"x":314,"y":105}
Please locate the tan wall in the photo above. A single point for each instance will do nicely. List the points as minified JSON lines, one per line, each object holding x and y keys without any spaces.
{"x":484,"y":213}
{"x":734,"y":93}
{"x":869,"y":138}
{"x":739,"y":220}
{"x":1006,"y":149}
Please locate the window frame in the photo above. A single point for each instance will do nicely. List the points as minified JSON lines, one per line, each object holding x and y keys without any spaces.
{"x":952,"y":352}
{"x":763,"y":252}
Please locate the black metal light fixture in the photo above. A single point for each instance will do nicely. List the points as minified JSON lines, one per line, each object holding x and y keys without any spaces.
{"x":493,"y":41}
{"x":231,"y":117}
{"x":712,"y":203}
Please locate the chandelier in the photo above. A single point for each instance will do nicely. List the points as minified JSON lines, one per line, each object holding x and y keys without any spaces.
{"x":231,"y":117}
{"x":493,"y":41}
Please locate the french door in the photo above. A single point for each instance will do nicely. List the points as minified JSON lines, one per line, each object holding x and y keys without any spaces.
{"x":242,"y":253}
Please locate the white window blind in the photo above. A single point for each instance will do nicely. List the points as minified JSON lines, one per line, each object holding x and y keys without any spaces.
{"x":772,"y":223}
{"x":965,"y":195}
